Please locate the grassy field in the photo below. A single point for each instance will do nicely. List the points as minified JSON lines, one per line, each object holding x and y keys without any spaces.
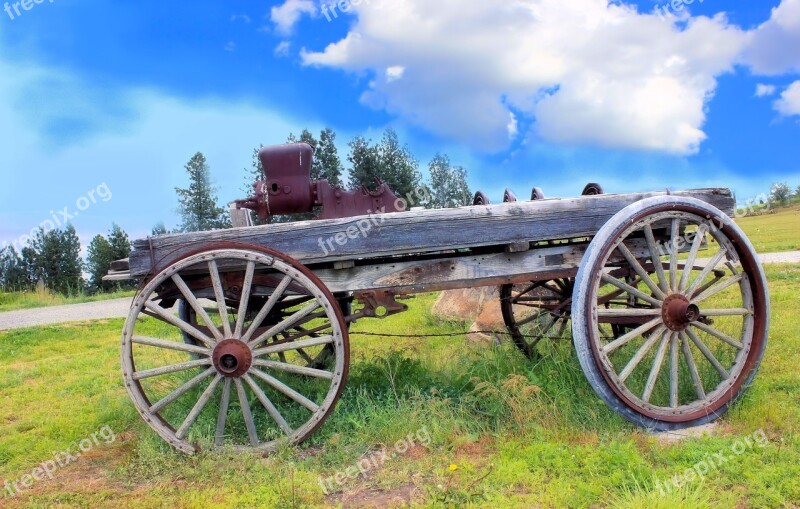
{"x":773,"y":233}
{"x":27,"y":300}
{"x":487,"y":429}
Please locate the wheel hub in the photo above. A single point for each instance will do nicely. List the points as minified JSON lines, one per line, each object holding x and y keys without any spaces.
{"x":232,"y":358}
{"x":678,"y":313}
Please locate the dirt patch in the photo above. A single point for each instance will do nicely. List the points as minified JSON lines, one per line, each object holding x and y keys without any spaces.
{"x":402,"y":496}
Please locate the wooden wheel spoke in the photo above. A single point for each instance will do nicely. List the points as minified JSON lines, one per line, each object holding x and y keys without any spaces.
{"x":286,"y":390}
{"x":712,"y":264}
{"x":629,"y":289}
{"x":268,"y":306}
{"x":219,"y":293}
{"x":198,"y":309}
{"x":720,"y":287}
{"x":198,"y":408}
{"x":627,"y":312}
{"x":673,"y":255}
{"x":687,"y":354}
{"x":224,"y":405}
{"x":627,"y":338}
{"x":531,"y":318}
{"x":171,"y":345}
{"x":166,"y":370}
{"x":268,"y":405}
{"x":656,"y":257}
{"x":707,"y":354}
{"x":296,"y":370}
{"x":180,"y":391}
{"x":640,"y":354}
{"x":247,"y":414}
{"x":719,"y":335}
{"x":673,"y":372}
{"x":698,"y":241}
{"x":726,"y":312}
{"x":286,"y":324}
{"x":637,"y":267}
{"x":658,"y":362}
{"x":244,"y":301}
{"x":528,"y":290}
{"x":164,"y":315}
{"x":293,"y":345}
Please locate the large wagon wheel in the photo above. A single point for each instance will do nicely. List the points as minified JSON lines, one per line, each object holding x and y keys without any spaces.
{"x":701,"y":304}
{"x":247,"y":382}
{"x":536,"y":310}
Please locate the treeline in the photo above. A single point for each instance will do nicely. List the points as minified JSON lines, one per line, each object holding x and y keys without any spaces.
{"x":52,"y":258}
{"x":387,"y":159}
{"x":782,"y":194}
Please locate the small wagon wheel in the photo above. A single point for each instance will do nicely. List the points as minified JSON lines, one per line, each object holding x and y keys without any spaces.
{"x":536,"y":310}
{"x":700,"y":308}
{"x":247,"y":382}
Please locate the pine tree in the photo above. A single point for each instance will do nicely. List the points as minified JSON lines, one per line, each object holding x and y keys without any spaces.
{"x":198,"y":203}
{"x":99,"y":256}
{"x":13,"y":276}
{"x":365,"y":164}
{"x":449,"y":186}
{"x":398,"y":168}
{"x":159,"y":229}
{"x":253,"y":174}
{"x":120,"y":243}
{"x":327,"y":158}
{"x":54,"y":258}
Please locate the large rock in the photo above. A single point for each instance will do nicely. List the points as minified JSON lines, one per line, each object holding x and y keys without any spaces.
{"x":479,"y":306}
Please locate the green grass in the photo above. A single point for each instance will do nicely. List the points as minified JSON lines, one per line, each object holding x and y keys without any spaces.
{"x":13,"y":301}
{"x":773,"y":233}
{"x":519,"y":434}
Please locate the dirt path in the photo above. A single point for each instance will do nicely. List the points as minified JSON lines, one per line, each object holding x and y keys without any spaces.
{"x":119,"y":308}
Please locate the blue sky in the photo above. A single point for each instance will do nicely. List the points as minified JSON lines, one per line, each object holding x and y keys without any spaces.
{"x":521,"y":92}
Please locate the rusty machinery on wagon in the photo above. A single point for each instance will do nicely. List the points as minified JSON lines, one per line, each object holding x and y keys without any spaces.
{"x":664,"y":296}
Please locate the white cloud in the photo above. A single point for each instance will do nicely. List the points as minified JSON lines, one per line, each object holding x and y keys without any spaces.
{"x":763,"y":90}
{"x":395,"y":73}
{"x":230,"y":46}
{"x":773,"y":46}
{"x":244,"y":18}
{"x":789,"y":103}
{"x":286,"y":16}
{"x":586,"y":71}
{"x":282,"y":49}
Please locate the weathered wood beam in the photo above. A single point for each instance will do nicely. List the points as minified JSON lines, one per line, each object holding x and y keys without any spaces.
{"x":410,"y":233}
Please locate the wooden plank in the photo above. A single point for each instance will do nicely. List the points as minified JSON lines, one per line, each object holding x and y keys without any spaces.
{"x":418,"y":232}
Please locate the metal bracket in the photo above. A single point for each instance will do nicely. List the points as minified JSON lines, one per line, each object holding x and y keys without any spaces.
{"x":379,"y":304}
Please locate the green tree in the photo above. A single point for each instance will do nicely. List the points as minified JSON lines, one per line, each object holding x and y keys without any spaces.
{"x":159,"y":229}
{"x":780,"y":193}
{"x":253,"y":174}
{"x":365,"y":163}
{"x":326,"y":158}
{"x":448,"y":185}
{"x":398,"y":168}
{"x":54,"y":257}
{"x":198,"y":203}
{"x":99,"y":256}
{"x":13,"y":275}
{"x":120,"y":242}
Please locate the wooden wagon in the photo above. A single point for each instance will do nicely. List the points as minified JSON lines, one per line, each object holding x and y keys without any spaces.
{"x":664,"y":295}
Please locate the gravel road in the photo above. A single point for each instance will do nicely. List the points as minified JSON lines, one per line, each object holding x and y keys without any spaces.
{"x":118,"y":308}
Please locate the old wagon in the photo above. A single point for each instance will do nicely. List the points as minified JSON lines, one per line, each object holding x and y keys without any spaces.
{"x":239,"y":337}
